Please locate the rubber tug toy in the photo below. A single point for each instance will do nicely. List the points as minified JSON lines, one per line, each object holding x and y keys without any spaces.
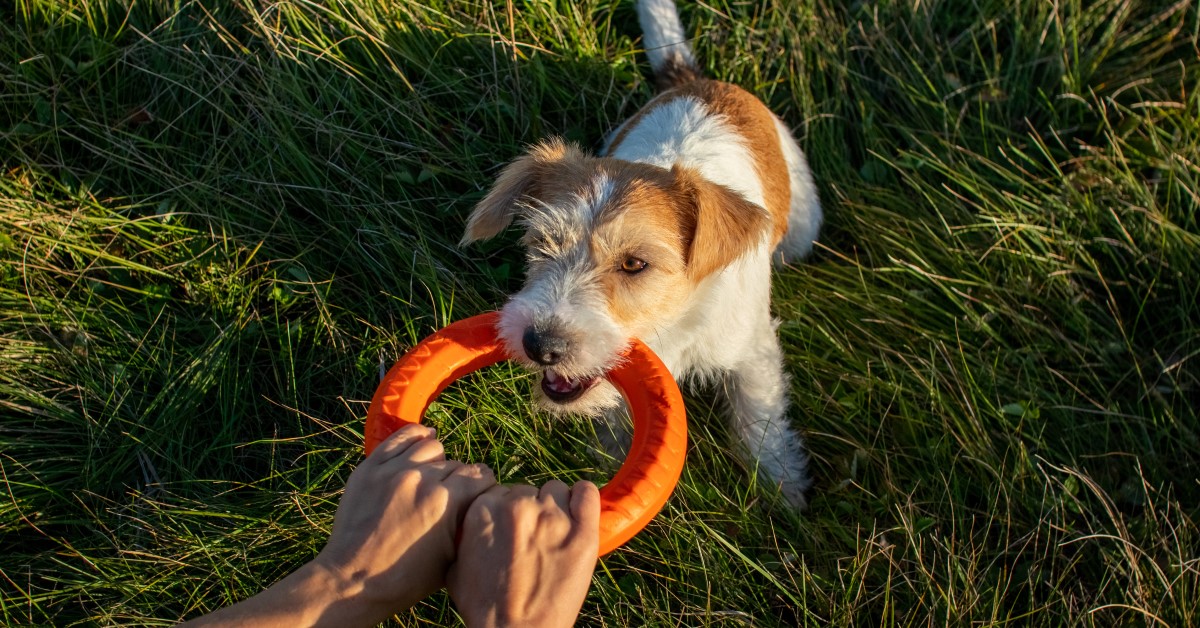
{"x":650,"y":472}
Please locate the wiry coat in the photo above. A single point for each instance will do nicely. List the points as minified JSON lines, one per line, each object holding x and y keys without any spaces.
{"x":667,"y":237}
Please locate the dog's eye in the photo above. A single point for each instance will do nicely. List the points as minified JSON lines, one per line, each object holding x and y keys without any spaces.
{"x":633,"y":265}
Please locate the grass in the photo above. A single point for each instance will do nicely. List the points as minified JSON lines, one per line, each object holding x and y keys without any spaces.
{"x":218,"y":219}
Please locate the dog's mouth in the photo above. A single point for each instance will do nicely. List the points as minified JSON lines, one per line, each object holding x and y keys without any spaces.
{"x":560,"y":389}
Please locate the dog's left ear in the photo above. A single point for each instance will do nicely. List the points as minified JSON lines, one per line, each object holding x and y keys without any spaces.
{"x":726,"y":226}
{"x":521,"y":178}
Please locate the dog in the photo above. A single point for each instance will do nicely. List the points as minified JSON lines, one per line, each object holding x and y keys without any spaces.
{"x":668,"y":235}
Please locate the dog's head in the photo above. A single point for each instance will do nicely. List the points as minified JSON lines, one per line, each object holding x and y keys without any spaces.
{"x":615,"y":250}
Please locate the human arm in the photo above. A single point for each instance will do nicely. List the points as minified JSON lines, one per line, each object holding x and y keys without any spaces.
{"x":527,"y":555}
{"x":393,"y":538}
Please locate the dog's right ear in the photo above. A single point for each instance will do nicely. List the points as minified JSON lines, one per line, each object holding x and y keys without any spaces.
{"x":523,"y":178}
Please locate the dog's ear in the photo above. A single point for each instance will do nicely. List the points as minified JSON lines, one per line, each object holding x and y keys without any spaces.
{"x":524,"y":177}
{"x":724,"y":226}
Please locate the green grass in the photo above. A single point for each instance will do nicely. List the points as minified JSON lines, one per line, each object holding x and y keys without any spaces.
{"x":218,"y":219}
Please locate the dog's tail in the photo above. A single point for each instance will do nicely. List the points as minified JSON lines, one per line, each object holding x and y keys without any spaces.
{"x":666,"y":45}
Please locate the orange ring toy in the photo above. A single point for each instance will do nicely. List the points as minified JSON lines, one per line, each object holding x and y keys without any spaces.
{"x":638,"y":491}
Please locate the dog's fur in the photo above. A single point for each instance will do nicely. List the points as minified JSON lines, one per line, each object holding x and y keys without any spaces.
{"x":668,"y":236}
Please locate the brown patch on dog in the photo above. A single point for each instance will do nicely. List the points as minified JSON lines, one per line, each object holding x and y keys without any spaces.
{"x":724,"y":224}
{"x":695,"y":224}
{"x":644,"y":218}
{"x":675,"y":72}
{"x":546,"y":172}
{"x":753,"y":121}
{"x":644,"y":195}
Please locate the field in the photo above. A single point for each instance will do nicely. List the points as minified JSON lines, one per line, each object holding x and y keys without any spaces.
{"x":220,"y":220}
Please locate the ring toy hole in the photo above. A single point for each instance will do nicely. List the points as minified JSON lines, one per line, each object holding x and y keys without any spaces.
{"x":650,"y":472}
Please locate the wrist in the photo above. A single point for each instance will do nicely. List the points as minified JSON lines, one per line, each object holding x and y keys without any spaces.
{"x":344,"y":594}
{"x":310,"y":596}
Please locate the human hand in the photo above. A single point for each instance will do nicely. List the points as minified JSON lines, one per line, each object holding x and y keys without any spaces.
{"x":394,"y":531}
{"x":526,"y":557}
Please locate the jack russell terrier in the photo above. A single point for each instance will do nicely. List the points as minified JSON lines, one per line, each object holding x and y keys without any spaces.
{"x":668,"y":236}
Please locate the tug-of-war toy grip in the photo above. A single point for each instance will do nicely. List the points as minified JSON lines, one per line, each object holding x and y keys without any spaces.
{"x":650,"y":472}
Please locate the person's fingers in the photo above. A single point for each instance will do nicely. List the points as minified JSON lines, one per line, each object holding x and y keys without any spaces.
{"x":585,"y":504}
{"x":400,"y":441}
{"x":476,"y":469}
{"x":555,"y":493}
{"x":482,"y":507}
{"x":442,"y":469}
{"x":466,"y":485}
{"x":493,"y":495}
{"x":522,"y":491}
{"x":468,"y":482}
{"x":423,"y":451}
{"x":473,"y":475}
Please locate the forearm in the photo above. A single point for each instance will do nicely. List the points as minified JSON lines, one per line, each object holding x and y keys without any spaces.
{"x":310,"y":596}
{"x":393,"y":539}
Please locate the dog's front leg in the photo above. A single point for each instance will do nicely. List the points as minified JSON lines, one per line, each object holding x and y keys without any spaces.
{"x":757,"y":389}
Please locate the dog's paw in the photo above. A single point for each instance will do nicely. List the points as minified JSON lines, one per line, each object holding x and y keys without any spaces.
{"x":785,"y":467}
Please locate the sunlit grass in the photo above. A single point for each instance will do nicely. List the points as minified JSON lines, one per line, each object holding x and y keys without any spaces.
{"x":219,"y":219}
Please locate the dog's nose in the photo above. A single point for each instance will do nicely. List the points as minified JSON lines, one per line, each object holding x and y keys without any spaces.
{"x":545,"y":349}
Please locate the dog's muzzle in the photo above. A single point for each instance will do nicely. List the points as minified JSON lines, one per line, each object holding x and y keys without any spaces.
{"x":546,"y":349}
{"x":561,"y":389}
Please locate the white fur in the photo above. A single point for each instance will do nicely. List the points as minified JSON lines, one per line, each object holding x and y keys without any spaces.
{"x":804,"y":219}
{"x":682,"y":131}
{"x":562,"y":290}
{"x":566,"y":294}
{"x":729,"y":336}
{"x":662,"y":34}
{"x":721,"y":329}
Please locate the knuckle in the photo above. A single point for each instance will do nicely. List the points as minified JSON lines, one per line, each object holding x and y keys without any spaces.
{"x":485,"y":471}
{"x":408,"y":478}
